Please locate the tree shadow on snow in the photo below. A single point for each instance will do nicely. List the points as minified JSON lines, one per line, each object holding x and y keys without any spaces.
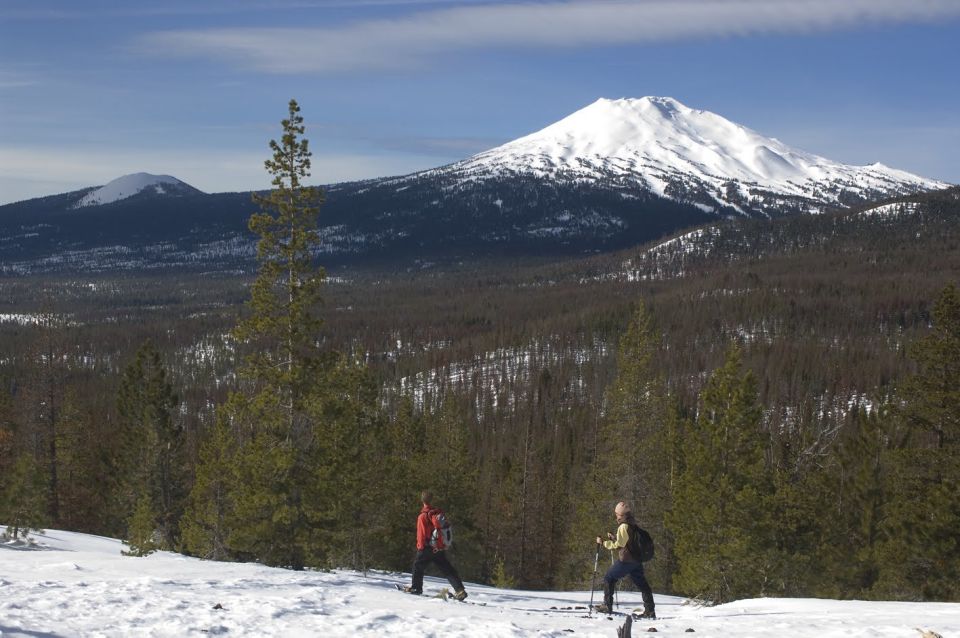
{"x":20,"y":546}
{"x":14,"y":632}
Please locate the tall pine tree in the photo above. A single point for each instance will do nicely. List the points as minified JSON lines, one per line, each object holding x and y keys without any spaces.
{"x":920,"y":554}
{"x":270,"y":415}
{"x":721,"y":510}
{"x":634,"y":460}
{"x":152,"y":466}
{"x":295,"y":435}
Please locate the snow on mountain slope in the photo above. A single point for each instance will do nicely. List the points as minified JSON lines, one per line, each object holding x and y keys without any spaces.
{"x":130,"y":185}
{"x":71,"y":584}
{"x":689,"y":155}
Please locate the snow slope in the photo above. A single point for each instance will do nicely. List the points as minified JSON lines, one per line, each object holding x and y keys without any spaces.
{"x":79,"y":585}
{"x":690,"y":155}
{"x":130,"y":185}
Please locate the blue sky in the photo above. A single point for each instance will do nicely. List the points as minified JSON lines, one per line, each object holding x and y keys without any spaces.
{"x":91,"y":90}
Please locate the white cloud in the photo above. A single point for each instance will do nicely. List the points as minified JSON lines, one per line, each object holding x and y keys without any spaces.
{"x":416,"y":39}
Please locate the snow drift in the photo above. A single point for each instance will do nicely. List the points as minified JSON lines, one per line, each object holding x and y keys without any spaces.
{"x":70,"y":584}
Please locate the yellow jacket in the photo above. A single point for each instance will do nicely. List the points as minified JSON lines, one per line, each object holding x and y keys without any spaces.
{"x":620,"y":543}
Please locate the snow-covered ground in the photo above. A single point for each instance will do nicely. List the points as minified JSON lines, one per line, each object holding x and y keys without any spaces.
{"x":79,"y":585}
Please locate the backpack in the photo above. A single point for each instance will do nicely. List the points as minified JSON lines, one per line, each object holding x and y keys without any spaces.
{"x":640,"y":544}
{"x":442,"y":536}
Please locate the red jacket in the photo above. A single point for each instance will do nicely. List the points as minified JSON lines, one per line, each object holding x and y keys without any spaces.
{"x":424,"y":528}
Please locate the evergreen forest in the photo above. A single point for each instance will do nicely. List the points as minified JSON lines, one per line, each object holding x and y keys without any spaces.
{"x":780,"y":404}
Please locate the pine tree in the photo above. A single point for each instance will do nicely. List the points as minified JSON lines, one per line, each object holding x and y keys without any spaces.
{"x":269,"y":416}
{"x":448,"y":468}
{"x":858,"y":483}
{"x":23,"y":505}
{"x":634,"y":458}
{"x":153,"y":464}
{"x":921,"y":550}
{"x":87,"y":500}
{"x":500,"y":578}
{"x":205,"y":526}
{"x":7,"y":429}
{"x":933,"y":395}
{"x":720,"y":517}
{"x":343,"y":466}
{"x":302,"y":418}
{"x":402,"y":450}
{"x":142,"y":527}
{"x":42,"y":400}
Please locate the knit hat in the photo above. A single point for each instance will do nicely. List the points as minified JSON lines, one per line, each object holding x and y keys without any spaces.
{"x":622,"y":509}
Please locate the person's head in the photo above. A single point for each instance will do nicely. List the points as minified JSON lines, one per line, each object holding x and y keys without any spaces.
{"x":622,"y":510}
{"x":426,"y":497}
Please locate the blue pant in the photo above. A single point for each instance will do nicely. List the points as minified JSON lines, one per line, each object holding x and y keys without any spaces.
{"x":635,"y":571}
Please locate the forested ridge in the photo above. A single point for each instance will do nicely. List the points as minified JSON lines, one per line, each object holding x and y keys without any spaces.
{"x":781,"y":408}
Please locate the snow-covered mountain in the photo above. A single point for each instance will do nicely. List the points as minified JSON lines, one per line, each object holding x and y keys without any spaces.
{"x":689,"y":155}
{"x":134,"y":184}
{"x":615,"y":174}
{"x":69,"y":584}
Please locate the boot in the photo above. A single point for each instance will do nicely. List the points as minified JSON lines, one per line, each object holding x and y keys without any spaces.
{"x":410,"y":590}
{"x":607,"y":606}
{"x":648,"y":614}
{"x":461,"y":595}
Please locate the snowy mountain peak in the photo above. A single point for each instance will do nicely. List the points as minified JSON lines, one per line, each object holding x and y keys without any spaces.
{"x":661,"y":145}
{"x":130,"y":185}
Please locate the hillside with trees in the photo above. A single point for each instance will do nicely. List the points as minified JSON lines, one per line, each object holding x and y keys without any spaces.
{"x":779,"y":401}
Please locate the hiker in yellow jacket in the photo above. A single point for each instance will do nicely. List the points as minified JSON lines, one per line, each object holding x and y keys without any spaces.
{"x":626,"y":564}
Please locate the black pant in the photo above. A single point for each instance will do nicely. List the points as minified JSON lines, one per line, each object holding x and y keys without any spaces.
{"x":427,"y":556}
{"x":635,"y":571}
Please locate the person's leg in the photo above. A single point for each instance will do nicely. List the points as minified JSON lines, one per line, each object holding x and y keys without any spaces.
{"x":640,"y":580}
{"x":424,"y":557}
{"x":448,"y":570}
{"x":609,"y":587}
{"x":617,"y":571}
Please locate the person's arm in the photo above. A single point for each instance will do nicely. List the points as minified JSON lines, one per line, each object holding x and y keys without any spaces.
{"x":623,"y":536}
{"x":423,"y":533}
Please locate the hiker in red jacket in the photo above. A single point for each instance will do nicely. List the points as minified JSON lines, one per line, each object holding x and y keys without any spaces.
{"x":432,"y":550}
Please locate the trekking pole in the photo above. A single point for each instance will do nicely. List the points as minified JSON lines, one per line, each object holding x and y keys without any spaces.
{"x":593,"y":581}
{"x":616,"y":592}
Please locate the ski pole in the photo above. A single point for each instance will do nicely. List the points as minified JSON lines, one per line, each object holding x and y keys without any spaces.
{"x":593,"y":581}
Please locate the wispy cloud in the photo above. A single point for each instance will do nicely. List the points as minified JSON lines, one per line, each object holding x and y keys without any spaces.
{"x":416,"y":39}
{"x":16,"y":80}
{"x":27,"y":10}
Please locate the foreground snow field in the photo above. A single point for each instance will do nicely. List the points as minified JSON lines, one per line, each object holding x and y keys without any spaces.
{"x":72,"y":584}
